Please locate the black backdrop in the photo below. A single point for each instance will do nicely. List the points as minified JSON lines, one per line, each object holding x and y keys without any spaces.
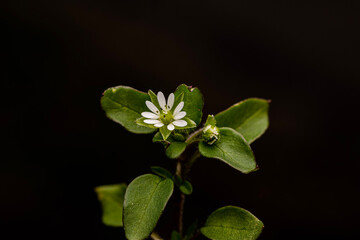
{"x":58,"y":144}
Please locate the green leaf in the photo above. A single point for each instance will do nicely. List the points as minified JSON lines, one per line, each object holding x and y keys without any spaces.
{"x":175,"y":235}
{"x":165,"y":133}
{"x":175,"y":149}
{"x":232,"y":149}
{"x":179,"y":97}
{"x":145,"y":199}
{"x":186,"y":187}
{"x":248,"y":117}
{"x":210,"y":132}
{"x":158,"y":138}
{"x":161,"y":172}
{"x":210,"y":120}
{"x":111,"y":198}
{"x":154,"y":99}
{"x":177,"y":180}
{"x":124,"y":105}
{"x":193,"y":102}
{"x":232,"y":223}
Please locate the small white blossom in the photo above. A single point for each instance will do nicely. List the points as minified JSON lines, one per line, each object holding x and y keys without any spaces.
{"x":164,"y":115}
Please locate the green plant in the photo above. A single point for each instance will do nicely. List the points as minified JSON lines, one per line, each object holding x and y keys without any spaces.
{"x":177,"y":122}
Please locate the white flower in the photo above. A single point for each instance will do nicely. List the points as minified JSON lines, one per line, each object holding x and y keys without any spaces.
{"x":164,"y":115}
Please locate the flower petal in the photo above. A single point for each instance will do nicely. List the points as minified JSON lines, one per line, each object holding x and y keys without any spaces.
{"x":170,"y":101}
{"x":180,"y":123}
{"x":170,"y":127}
{"x":158,"y":125}
{"x":180,"y":115}
{"x":161,"y":100}
{"x":151,"y":121}
{"x":149,"y":115}
{"x":178,"y":108}
{"x":152,"y":107}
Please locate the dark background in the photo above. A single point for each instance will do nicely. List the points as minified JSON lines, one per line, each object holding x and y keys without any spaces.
{"x":59,"y":56}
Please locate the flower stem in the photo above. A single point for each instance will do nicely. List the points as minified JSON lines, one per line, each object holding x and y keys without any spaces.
{"x":193,"y":136}
{"x":182,"y":199}
{"x":182,"y":170}
{"x":188,"y":165}
{"x":183,"y":167}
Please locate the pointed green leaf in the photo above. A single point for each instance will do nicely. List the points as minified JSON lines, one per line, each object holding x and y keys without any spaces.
{"x":179,"y":97}
{"x":158,"y":137}
{"x":232,"y":149}
{"x":124,"y":105}
{"x":111,"y":198}
{"x":248,"y":117}
{"x":186,"y":187}
{"x":210,"y":120}
{"x":210,"y":132}
{"x":165,"y":133}
{"x":145,"y":199}
{"x":193,"y":102}
{"x":175,"y":235}
{"x":161,"y":172}
{"x":232,"y":223}
{"x":175,"y":149}
{"x":154,"y":99}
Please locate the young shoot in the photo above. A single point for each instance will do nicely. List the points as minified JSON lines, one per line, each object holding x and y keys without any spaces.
{"x":176,"y":123}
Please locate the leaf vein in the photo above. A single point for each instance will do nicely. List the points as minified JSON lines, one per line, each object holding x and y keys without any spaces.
{"x":123,"y":105}
{"x":249,"y":118}
{"x":148,"y":203}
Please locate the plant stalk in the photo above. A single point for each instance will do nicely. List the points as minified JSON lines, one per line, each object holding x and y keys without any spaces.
{"x":155,"y":236}
{"x":182,"y":200}
{"x":193,"y":136}
{"x":182,"y":169}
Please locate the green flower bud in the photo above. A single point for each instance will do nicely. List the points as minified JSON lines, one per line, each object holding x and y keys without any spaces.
{"x":210,"y":134}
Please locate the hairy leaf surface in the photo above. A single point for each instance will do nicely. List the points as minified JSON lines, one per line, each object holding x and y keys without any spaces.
{"x":145,"y":200}
{"x":232,"y":223}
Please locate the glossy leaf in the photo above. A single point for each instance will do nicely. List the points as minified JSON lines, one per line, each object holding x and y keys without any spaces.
{"x":111,"y":198}
{"x":248,"y":117}
{"x":161,"y":172}
{"x":165,"y":133}
{"x":232,"y":149}
{"x":193,"y":102}
{"x":154,"y":99}
{"x":232,"y":223}
{"x":175,"y":149}
{"x":186,"y":187}
{"x":124,"y":105}
{"x":145,"y":199}
{"x":158,"y":138}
